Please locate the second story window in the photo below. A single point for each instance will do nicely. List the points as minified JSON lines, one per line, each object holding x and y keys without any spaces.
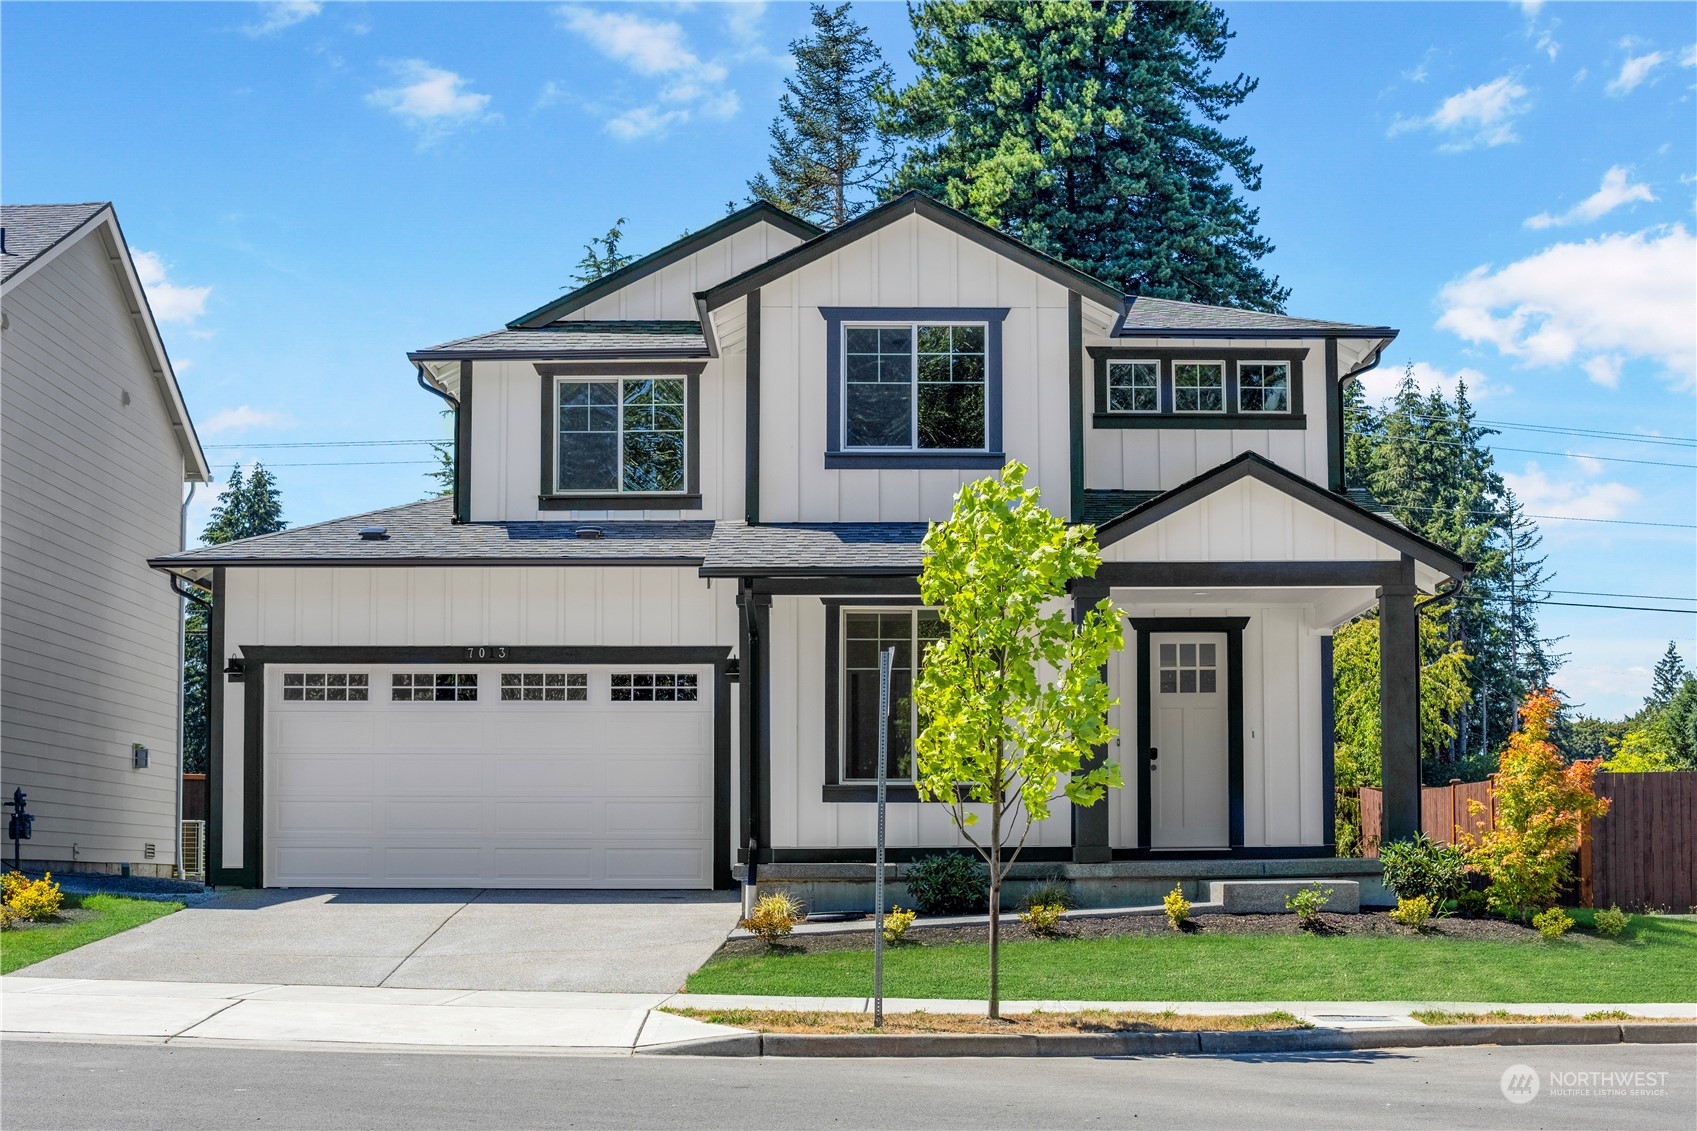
{"x":918,"y":386}
{"x":1199,"y":386}
{"x":620,"y":435}
{"x":1134,"y":386}
{"x":1263,"y":386}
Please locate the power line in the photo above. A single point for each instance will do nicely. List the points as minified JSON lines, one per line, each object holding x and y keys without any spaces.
{"x":1626,"y":437}
{"x":1542,"y":452}
{"x":1620,"y":608}
{"x":1636,"y":596}
{"x":1614,"y":521}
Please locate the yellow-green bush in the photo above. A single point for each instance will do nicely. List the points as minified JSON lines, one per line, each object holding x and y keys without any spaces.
{"x":11,"y":883}
{"x":1552,"y":923}
{"x":1178,"y":908}
{"x":1413,"y":912}
{"x":896,"y":923}
{"x":38,"y":900}
{"x":1611,"y":922}
{"x":1041,"y":918}
{"x":773,"y":916}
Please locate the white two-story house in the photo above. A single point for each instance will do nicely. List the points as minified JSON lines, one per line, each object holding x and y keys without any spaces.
{"x":636,"y":647}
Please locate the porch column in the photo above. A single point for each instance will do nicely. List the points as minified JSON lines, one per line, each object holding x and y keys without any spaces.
{"x":1399,"y":707}
{"x":1090,"y":825}
{"x":755,"y":721}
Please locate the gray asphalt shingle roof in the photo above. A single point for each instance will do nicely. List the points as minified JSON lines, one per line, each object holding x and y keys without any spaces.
{"x":34,"y":229}
{"x":814,"y":548}
{"x":635,"y":338}
{"x":1144,"y":315}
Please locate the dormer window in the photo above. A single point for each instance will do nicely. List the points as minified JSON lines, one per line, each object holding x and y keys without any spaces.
{"x":619,"y":440}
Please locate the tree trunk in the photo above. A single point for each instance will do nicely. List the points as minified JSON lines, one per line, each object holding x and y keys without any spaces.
{"x":995,"y":909}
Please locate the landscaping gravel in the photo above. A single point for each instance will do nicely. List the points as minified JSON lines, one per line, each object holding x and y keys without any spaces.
{"x":135,"y":887}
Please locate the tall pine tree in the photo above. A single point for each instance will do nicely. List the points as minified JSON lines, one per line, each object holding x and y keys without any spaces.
{"x":827,"y":154}
{"x":1665,"y":682}
{"x":1089,"y":130}
{"x":247,"y":508}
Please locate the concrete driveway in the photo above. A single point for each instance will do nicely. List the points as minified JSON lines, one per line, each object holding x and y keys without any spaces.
{"x":470,"y":939}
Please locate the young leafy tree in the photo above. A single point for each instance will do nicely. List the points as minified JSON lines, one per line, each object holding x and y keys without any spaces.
{"x":1012,"y":699}
{"x":602,"y":255}
{"x":1090,"y":131}
{"x":827,"y":154}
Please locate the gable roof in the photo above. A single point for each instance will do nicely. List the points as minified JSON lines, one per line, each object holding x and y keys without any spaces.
{"x":588,"y":341}
{"x":912,"y":203}
{"x":36,"y":234}
{"x":1253,"y":466}
{"x":32,"y":230}
{"x":756,"y":213}
{"x":1145,"y":315}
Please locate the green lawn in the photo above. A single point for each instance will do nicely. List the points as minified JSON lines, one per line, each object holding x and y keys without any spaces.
{"x":1656,"y":961}
{"x":113,"y":913}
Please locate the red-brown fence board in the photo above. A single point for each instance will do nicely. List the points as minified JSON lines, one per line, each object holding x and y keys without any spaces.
{"x":194,"y":797}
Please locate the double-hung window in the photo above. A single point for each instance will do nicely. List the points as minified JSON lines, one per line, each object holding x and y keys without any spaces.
{"x":916,"y":386}
{"x":866,"y":633}
{"x":620,"y":435}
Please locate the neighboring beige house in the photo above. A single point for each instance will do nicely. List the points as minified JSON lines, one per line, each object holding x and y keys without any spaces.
{"x":95,"y":446}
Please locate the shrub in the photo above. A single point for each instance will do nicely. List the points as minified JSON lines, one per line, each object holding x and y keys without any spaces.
{"x":949,"y":884}
{"x":8,"y":918}
{"x":39,"y":900}
{"x":1472,"y":903}
{"x":11,"y":883}
{"x":1413,"y":911}
{"x":1178,"y":908}
{"x":773,"y":917}
{"x":1053,"y":890}
{"x":1042,"y":918}
{"x":1611,"y":922}
{"x":1421,"y":866}
{"x":896,"y":923}
{"x":1542,"y":802}
{"x":1552,"y":922}
{"x":1308,"y":903}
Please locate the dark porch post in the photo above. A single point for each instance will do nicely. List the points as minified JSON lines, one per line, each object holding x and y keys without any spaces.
{"x":1399,"y":707}
{"x":1090,"y":826}
{"x":755,"y":722}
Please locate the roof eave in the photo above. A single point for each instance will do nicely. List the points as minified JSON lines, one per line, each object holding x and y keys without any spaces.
{"x":557,"y":355}
{"x":1384,"y":332}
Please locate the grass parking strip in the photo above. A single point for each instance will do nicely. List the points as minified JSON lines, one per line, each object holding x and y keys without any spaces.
{"x":1085,"y":1022}
{"x":31,"y":943}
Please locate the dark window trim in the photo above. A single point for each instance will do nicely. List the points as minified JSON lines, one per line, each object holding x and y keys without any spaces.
{"x":1233,"y":629}
{"x":990,"y":457}
{"x":751,"y":411}
{"x":689,"y":498}
{"x":256,"y":658}
{"x":1166,"y":417}
{"x":837,"y":790}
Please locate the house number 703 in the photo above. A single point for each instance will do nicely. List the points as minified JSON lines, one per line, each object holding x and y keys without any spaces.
{"x":487,"y":653}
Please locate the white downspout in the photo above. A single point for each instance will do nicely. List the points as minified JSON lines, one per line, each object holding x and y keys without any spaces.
{"x":182,"y":656}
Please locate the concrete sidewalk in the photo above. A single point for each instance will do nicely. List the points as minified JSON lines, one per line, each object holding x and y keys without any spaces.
{"x":258,"y":1014}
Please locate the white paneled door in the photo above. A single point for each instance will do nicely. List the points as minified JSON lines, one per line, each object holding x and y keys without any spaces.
{"x":590,"y":776}
{"x":1189,"y":765}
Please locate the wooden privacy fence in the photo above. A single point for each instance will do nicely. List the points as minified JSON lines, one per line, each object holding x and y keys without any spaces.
{"x":194,"y":797}
{"x":1642,"y":856}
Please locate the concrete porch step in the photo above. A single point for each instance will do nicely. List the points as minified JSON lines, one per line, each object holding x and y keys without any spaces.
{"x":1267,"y":897}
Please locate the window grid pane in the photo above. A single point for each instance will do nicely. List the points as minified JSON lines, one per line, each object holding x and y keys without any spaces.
{"x":1134,"y":386}
{"x":1263,"y":387}
{"x":622,"y":436}
{"x":920,"y":386}
{"x":866,"y":634}
{"x":544,"y":687}
{"x":1199,"y":387}
{"x":1189,"y":668}
{"x":326,"y":687}
{"x":655,"y":687}
{"x":433,"y":687}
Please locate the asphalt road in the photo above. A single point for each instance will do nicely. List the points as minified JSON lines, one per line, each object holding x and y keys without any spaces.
{"x":77,"y":1085}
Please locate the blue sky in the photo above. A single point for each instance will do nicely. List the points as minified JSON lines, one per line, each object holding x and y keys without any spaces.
{"x":319,"y":188}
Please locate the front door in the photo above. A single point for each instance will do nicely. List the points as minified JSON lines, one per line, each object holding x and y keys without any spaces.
{"x":1189,"y":782}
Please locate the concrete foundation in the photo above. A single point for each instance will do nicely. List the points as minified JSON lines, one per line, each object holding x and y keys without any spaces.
{"x":1268,"y":897}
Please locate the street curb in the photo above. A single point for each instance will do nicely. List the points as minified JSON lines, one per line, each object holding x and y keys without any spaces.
{"x":1171,"y":1043}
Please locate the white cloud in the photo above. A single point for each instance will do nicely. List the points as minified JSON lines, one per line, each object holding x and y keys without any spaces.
{"x":1620,"y":295}
{"x":1379,"y":384}
{"x":169,"y":302}
{"x":240,"y":419}
{"x":1575,"y":498}
{"x":1480,"y":115}
{"x":1604,"y":369}
{"x":1688,"y":57}
{"x":284,"y":14}
{"x":1633,"y":72}
{"x":687,"y":86}
{"x":431,"y":100}
{"x":1617,"y":189}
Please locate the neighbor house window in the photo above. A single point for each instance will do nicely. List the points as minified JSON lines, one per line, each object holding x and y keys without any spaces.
{"x":918,"y":386}
{"x":1134,"y":386}
{"x":620,"y":435}
{"x":1199,"y":386}
{"x":1263,"y":386}
{"x":866,"y":634}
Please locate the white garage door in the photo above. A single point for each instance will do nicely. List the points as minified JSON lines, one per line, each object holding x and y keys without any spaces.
{"x":597,"y":777}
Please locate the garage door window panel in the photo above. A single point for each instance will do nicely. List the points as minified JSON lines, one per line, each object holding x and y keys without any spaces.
{"x":326,"y":687}
{"x":655,"y":687}
{"x":433,"y":687}
{"x":544,"y":687}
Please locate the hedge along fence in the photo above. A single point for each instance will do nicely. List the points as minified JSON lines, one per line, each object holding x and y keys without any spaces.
{"x":1642,"y":856}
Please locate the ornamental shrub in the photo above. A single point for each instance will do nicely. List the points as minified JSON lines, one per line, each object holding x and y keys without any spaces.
{"x":1413,"y":911}
{"x":1542,"y":803}
{"x":1308,"y":902}
{"x":1042,"y":918}
{"x":39,"y":900}
{"x":896,"y":923}
{"x":948,"y":884}
{"x":1611,"y":922}
{"x":773,"y":917}
{"x":1052,"y":890}
{"x":1423,"y":867}
{"x":1472,"y":904}
{"x":1552,"y":922}
{"x":1178,"y":908}
{"x":11,"y":883}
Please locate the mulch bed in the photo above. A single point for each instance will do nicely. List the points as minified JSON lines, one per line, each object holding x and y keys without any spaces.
{"x":65,"y":916}
{"x":1124,"y":926}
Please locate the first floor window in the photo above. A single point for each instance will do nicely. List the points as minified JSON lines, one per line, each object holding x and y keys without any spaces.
{"x":866,"y":634}
{"x":1263,"y":386}
{"x":621,"y":434}
{"x":1199,"y":386}
{"x":916,"y":387}
{"x":1134,"y":386}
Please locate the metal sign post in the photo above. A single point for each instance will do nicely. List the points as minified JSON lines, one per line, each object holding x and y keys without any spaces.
{"x":885,"y":660}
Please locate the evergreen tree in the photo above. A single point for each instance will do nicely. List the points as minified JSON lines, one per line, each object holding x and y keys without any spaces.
{"x":247,"y":508}
{"x":1665,"y":682}
{"x":827,"y":153}
{"x":442,"y":475}
{"x":1089,"y":130}
{"x":602,"y":256}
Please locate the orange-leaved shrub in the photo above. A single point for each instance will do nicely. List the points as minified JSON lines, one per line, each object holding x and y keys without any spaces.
{"x":1542,"y":804}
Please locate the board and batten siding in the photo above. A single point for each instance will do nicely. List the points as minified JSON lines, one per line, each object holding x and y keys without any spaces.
{"x":801,"y":818}
{"x":90,"y":488}
{"x":909,"y":263}
{"x":408,"y":606}
{"x":670,"y":291}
